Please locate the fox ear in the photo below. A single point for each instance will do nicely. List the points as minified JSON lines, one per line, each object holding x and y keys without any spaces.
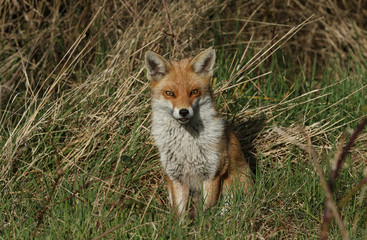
{"x":156,"y":66}
{"x":203,"y":63}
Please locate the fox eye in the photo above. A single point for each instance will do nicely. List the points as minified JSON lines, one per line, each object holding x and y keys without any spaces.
{"x":169,"y":93}
{"x":194,"y":92}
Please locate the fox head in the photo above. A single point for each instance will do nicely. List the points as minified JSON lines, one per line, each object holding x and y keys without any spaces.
{"x":180,"y":87}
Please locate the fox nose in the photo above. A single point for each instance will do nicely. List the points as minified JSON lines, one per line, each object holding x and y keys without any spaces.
{"x":183,"y":112}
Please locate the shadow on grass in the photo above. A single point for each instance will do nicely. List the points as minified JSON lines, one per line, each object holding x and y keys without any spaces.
{"x":247,"y":131}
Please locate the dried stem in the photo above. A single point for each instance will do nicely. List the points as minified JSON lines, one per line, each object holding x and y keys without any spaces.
{"x":108,"y":232}
{"x":80,"y":188}
{"x":117,"y":227}
{"x":59,"y":173}
{"x":169,"y":24}
{"x":352,"y":192}
{"x":133,"y":10}
{"x":337,"y":165}
{"x":329,"y":203}
{"x":340,"y":161}
{"x":329,"y":197}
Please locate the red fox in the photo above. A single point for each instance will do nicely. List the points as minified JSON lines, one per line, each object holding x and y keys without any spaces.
{"x":198,"y":151}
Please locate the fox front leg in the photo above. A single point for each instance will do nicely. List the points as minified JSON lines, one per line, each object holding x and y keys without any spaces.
{"x":178,"y":195}
{"x":211,"y":191}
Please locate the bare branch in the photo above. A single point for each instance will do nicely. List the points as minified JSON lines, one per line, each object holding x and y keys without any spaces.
{"x":170,"y":25}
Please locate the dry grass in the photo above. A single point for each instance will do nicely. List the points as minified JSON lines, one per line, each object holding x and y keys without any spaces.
{"x":36,"y":35}
{"x":336,"y":32}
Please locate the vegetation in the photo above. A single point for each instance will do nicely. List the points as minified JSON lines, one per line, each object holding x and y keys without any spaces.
{"x":77,"y":159}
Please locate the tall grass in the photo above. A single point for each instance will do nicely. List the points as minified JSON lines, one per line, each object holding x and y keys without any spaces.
{"x":75,"y":107}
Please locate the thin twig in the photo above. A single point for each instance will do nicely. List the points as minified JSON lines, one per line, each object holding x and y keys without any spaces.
{"x":337,"y":165}
{"x":340,"y":161}
{"x":311,"y":150}
{"x":132,"y":9}
{"x":118,"y":226}
{"x":360,"y":202}
{"x":108,"y":232}
{"x":169,"y":24}
{"x":352,"y":192}
{"x":149,"y":202}
{"x":59,"y":173}
{"x":329,"y":202}
{"x":80,"y":188}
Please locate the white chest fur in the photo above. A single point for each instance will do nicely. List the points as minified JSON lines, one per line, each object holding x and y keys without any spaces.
{"x":189,"y":152}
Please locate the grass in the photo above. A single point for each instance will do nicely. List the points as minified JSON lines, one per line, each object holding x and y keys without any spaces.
{"x":90,"y":117}
{"x":286,"y":201}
